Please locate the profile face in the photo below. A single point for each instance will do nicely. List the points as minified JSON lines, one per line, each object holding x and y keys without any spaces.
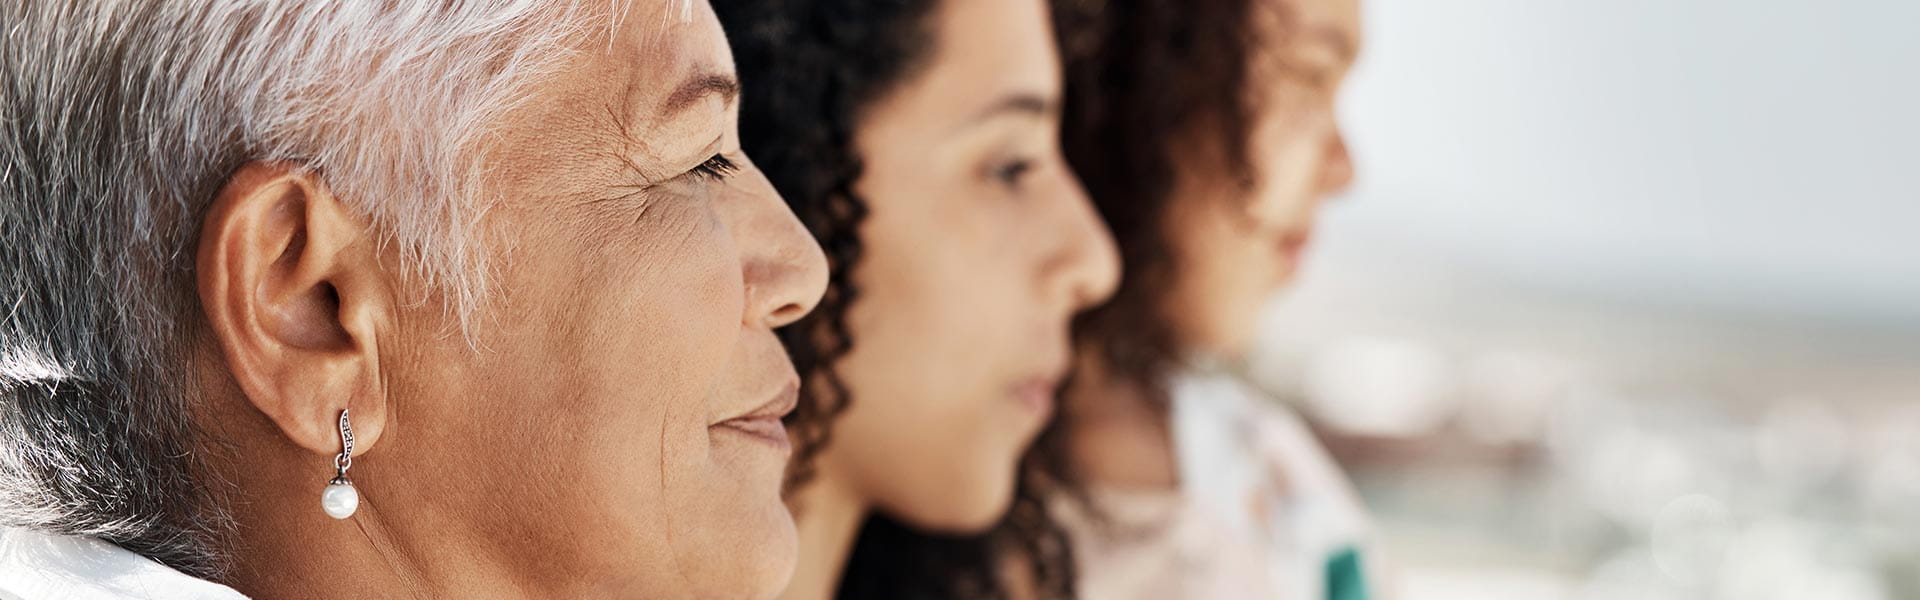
{"x":1235,"y":247}
{"x":619,"y":420}
{"x":979,"y":248}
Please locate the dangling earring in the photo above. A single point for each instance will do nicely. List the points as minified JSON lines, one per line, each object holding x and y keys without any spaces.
{"x":340,"y":499}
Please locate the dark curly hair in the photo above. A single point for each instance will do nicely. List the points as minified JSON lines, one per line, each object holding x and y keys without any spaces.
{"x":1150,"y":84}
{"x":809,"y":70}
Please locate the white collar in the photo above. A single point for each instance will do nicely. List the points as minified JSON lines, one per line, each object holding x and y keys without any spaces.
{"x":36,"y":565}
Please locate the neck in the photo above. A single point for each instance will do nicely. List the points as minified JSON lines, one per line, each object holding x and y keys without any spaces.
{"x":1117,"y":428}
{"x":829,"y":515}
{"x":396,"y":545}
{"x":287,"y":547}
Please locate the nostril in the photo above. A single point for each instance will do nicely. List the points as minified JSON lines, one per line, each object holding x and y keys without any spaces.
{"x":786,"y":314}
{"x":795,"y":287}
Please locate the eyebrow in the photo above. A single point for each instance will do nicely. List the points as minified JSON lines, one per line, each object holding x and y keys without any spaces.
{"x":699,"y":87}
{"x":1019,"y":103}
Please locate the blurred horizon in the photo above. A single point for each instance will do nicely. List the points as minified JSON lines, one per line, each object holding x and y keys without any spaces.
{"x":1625,"y":300}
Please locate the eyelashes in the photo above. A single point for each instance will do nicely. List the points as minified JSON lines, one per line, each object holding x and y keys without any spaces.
{"x":1012,"y":172}
{"x":715,"y":169}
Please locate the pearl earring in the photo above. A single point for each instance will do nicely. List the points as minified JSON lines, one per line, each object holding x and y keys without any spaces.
{"x":340,"y":499}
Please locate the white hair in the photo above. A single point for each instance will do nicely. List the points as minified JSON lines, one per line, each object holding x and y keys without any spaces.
{"x":119,"y":120}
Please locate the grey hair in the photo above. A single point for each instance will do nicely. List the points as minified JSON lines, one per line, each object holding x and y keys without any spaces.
{"x":119,"y":121}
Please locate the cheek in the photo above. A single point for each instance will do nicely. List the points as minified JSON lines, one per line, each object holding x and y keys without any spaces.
{"x":921,"y":284}
{"x":1226,"y":269}
{"x":678,"y":318}
{"x":657,"y":326}
{"x":596,"y":358}
{"x":949,"y":317}
{"x":951,"y":295}
{"x":1288,"y":161}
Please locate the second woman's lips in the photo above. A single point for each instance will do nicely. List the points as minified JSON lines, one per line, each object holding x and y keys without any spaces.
{"x":1036,"y":395}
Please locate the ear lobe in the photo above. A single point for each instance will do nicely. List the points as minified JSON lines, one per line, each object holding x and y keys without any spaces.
{"x":296,"y":299}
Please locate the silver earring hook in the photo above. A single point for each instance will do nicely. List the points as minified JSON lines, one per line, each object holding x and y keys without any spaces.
{"x":345,"y":459}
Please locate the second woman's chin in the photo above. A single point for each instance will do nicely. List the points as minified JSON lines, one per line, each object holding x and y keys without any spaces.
{"x":969,"y":499}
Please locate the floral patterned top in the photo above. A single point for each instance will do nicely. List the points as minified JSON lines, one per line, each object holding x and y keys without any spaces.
{"x":1261,"y":512}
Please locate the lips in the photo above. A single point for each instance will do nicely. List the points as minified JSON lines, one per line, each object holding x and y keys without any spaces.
{"x":1037,"y":394}
{"x":763,"y":424}
{"x":1294,"y":242}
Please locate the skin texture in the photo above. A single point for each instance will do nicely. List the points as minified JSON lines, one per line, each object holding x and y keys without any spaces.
{"x":588,"y":443}
{"x":1234,"y":247}
{"x":980,"y":248}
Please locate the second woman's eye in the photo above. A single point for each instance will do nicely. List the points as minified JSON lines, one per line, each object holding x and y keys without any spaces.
{"x":717,"y":168}
{"x":1010,"y":173}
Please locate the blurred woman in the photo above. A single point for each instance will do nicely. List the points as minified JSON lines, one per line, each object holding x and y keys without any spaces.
{"x":918,"y":139}
{"x":1205,"y":133}
{"x":402,"y":299}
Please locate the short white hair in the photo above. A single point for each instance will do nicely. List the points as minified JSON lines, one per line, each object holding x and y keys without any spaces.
{"x":119,"y":120}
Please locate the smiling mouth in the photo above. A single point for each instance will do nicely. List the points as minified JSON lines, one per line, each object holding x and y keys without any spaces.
{"x":763,"y":424}
{"x":766,"y":430}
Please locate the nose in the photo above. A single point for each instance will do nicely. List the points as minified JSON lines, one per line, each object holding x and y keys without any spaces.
{"x":1085,"y":269}
{"x":785,"y":272}
{"x":1336,"y":169}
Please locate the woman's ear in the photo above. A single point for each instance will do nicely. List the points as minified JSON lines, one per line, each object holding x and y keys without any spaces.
{"x":296,"y":296}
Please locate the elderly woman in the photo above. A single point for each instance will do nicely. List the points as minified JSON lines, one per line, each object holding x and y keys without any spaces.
{"x":422,"y":299}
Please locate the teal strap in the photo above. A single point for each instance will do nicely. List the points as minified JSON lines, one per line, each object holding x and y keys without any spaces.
{"x":1345,"y":579}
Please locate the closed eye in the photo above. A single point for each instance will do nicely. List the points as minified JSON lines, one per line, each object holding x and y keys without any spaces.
{"x":715,"y":169}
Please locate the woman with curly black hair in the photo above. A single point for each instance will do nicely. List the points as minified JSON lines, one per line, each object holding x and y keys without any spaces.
{"x":1205,"y":132}
{"x":918,"y":140}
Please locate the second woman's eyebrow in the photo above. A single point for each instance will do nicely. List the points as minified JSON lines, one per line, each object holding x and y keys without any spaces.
{"x":1017,"y":103}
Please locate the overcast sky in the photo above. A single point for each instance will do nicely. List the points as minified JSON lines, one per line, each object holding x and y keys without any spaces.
{"x":1758,"y":156}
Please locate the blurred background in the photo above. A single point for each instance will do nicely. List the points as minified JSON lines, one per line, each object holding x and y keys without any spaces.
{"x":1625,"y":302}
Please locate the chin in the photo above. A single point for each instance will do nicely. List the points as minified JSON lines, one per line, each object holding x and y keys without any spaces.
{"x":1220,"y":341}
{"x":1228,"y":333}
{"x":771,"y":560}
{"x":773,"y":571}
{"x":752,"y":568}
{"x":968,"y":509}
{"x":741,"y":549}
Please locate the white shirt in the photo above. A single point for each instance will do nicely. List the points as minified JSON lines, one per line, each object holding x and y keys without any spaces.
{"x":1261,"y":511}
{"x":1255,"y":467}
{"x":41,"y":566}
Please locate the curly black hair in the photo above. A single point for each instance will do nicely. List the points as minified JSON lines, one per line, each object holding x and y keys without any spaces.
{"x":809,"y":69}
{"x":1149,"y":85}
{"x":803,"y":86}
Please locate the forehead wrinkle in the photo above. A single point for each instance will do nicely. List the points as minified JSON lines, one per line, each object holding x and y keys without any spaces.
{"x":658,"y":68}
{"x":657,"y":29}
{"x":620,"y":129}
{"x":622,"y":113}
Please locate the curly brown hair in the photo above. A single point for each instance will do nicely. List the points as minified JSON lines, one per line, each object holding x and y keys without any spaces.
{"x":1151,"y":84}
{"x":809,"y":69}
